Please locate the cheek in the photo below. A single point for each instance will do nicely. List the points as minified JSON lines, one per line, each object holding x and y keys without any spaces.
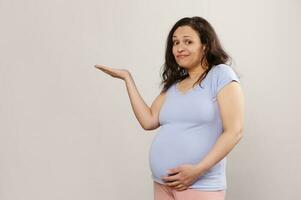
{"x":198,"y":53}
{"x":173,"y":51}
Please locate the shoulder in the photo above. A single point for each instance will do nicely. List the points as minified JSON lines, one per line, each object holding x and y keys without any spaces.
{"x":222,"y":75}
{"x":222,"y":68}
{"x":224,"y":71}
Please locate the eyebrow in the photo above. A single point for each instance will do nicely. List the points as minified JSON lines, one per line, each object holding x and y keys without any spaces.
{"x":183,"y":36}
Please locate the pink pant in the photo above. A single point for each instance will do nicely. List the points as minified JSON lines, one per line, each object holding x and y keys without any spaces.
{"x":163,"y":192}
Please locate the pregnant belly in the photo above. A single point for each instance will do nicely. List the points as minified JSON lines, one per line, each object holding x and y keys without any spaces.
{"x":170,"y":149}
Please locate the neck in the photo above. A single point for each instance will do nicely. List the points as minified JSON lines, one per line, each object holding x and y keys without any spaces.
{"x":196,"y":72}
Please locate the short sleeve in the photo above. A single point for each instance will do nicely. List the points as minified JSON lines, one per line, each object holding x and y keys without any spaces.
{"x":222,"y":75}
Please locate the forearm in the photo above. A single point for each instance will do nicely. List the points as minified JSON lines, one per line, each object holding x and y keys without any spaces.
{"x":141,"y":109}
{"x":222,"y":147}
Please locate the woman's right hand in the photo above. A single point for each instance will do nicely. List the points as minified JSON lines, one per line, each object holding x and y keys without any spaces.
{"x":116,"y":73}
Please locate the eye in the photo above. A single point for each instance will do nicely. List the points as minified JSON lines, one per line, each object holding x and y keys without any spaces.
{"x":176,"y":42}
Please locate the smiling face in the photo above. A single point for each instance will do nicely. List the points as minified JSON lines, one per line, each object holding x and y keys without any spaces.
{"x":187,"y":48}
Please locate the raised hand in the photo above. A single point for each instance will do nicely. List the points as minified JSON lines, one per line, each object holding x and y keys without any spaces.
{"x":116,"y":73}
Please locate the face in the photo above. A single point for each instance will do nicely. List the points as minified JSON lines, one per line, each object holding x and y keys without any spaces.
{"x":187,"y":48}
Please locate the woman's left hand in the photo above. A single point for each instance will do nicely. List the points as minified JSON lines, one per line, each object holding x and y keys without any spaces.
{"x":182,"y":177}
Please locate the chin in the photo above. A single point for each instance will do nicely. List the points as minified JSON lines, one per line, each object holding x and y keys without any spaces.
{"x":183,"y":66}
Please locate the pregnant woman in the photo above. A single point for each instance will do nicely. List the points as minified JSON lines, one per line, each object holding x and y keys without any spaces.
{"x":199,"y":111}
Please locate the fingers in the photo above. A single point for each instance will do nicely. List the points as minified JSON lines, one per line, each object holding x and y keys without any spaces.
{"x":182,"y":188}
{"x":101,"y":66}
{"x":116,"y":73}
{"x":173,"y":184}
{"x":173,"y":181}
{"x":105,"y":69}
{"x":177,"y":186}
{"x":170,"y":177}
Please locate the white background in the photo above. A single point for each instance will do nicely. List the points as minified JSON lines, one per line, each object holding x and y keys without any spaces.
{"x":67,"y":130}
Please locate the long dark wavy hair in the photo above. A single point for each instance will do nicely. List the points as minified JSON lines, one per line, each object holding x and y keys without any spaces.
{"x":213,"y":54}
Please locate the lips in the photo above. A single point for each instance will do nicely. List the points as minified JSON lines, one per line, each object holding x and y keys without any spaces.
{"x":181,"y":56}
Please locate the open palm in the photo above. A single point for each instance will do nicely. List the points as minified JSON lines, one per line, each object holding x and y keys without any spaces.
{"x":116,"y":73}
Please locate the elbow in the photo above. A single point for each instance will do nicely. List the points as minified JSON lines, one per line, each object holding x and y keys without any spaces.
{"x":146,"y":128}
{"x":149,"y":127}
{"x":236,"y":133}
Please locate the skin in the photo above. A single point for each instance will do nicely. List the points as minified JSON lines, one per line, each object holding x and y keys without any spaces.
{"x":188,"y":51}
{"x":230,"y":100}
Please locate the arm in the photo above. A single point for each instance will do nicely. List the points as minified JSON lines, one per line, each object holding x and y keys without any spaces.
{"x":230,"y":100}
{"x":147,"y":117}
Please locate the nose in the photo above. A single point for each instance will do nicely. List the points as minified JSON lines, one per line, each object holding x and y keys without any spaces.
{"x":180,"y":48}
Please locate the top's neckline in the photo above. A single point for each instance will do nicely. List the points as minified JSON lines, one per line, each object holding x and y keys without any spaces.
{"x":187,"y":91}
{"x":194,"y":88}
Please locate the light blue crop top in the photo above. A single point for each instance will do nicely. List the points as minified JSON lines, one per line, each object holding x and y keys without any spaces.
{"x":190,"y":124}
